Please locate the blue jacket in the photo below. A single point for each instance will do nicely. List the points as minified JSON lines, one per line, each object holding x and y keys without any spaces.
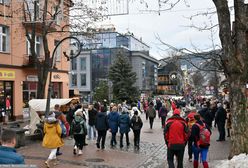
{"x":8,"y":155}
{"x":102,"y":121}
{"x":113,"y":118}
{"x":124,"y":123}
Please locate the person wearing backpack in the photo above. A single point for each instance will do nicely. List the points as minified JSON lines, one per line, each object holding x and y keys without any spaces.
{"x":175,"y":135}
{"x":79,"y":130}
{"x":201,"y":136}
{"x":136,"y":125}
{"x":162,"y":113}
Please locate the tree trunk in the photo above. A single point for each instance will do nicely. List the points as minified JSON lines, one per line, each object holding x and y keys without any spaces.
{"x":239,"y":134}
{"x":42,"y":80}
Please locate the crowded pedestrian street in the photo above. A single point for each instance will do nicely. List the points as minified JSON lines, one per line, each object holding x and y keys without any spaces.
{"x":152,"y":152}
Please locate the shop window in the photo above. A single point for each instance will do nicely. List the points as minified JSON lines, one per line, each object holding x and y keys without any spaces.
{"x":29,"y":92}
{"x":6,"y":100}
{"x":56,"y":90}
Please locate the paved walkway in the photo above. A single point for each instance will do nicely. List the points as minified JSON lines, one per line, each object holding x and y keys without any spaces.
{"x":152,"y":153}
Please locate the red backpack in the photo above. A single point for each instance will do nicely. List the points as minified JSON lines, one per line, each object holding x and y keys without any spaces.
{"x":204,"y":135}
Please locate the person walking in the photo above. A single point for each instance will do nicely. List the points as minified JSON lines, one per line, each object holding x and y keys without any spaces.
{"x":220,"y":120}
{"x":79,"y":130}
{"x":113,"y":119}
{"x":124,"y":125}
{"x":136,"y":125}
{"x":63,"y":124}
{"x":190,"y":119}
{"x":52,"y":138}
{"x":162,"y":113}
{"x":175,"y":135}
{"x":201,"y":136}
{"x":101,"y":127}
{"x":92,"y":112}
{"x":151,"y":113}
{"x":8,"y":153}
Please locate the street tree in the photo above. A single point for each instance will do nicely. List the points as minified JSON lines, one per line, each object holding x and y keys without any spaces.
{"x":123,"y":79}
{"x":44,"y":19}
{"x":234,"y":60}
{"x":101,"y":92}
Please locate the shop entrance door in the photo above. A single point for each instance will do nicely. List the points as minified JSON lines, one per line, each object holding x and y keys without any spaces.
{"x":6,"y":101}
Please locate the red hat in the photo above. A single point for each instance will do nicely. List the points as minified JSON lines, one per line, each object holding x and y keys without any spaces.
{"x":176,"y":111}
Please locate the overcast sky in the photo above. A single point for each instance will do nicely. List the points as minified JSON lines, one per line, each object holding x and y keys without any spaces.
{"x":172,"y":26}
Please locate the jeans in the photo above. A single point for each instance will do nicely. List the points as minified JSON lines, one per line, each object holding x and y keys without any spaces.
{"x":113,"y":139}
{"x":121,"y":139}
{"x":91,"y":130}
{"x":79,"y":140}
{"x":170,"y":157}
{"x":202,"y":151}
{"x":222,"y":132}
{"x":136,"y":137}
{"x":52,"y":154}
{"x":101,"y":138}
{"x":151,"y":119}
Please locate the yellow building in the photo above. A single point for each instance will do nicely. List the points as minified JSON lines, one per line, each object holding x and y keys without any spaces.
{"x":18,"y":76}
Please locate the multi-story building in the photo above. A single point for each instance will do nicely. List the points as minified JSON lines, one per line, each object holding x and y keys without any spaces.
{"x":102,"y":49}
{"x":18,"y":75}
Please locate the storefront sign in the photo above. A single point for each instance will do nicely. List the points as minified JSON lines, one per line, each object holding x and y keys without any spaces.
{"x":56,"y":76}
{"x":7,"y":74}
{"x":32,"y":78}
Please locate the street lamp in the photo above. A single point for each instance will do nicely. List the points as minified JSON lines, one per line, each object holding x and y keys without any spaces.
{"x":69,"y":57}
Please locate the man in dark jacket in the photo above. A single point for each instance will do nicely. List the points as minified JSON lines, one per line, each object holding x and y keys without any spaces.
{"x":8,"y":153}
{"x":92,"y":112}
{"x":220,"y":120}
{"x":113,"y":119}
{"x":101,"y":127}
{"x":162,"y":113}
{"x":175,"y":134}
{"x":151,"y":113}
{"x":199,"y":148}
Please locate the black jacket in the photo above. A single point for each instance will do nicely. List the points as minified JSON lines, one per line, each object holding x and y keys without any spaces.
{"x":102,"y":121}
{"x":92,"y":117}
{"x":220,"y":116}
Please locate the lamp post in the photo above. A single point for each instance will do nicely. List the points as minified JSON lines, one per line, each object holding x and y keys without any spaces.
{"x":53,"y":63}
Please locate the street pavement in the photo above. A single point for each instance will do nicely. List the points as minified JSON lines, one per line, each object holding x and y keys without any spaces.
{"x":152,"y":153}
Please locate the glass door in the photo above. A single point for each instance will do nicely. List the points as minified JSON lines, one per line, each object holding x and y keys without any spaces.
{"x":6,"y":101}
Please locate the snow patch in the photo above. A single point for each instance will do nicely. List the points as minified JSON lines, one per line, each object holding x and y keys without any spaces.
{"x":239,"y":161}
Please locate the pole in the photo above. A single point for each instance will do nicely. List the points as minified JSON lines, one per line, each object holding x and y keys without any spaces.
{"x":53,"y":63}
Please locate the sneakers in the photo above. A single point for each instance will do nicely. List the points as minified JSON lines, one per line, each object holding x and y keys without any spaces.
{"x":75,"y":150}
{"x":98,"y":145}
{"x":58,"y":153}
{"x":80,"y":152}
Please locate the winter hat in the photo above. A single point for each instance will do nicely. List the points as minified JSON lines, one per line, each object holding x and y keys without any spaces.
{"x":79,"y":112}
{"x":176,"y":111}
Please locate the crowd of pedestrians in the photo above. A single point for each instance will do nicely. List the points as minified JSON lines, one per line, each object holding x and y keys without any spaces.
{"x":189,"y":125}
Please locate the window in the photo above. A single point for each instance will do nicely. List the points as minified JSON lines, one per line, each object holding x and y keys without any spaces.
{"x":6,"y":2}
{"x":4,"y":39}
{"x":38,"y":46}
{"x":82,"y":64}
{"x":83,"y":79}
{"x":74,"y":80}
{"x":58,"y":51}
{"x":74,"y":64}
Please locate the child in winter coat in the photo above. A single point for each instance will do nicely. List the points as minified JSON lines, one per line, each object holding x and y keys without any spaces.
{"x":52,"y":139}
{"x":79,"y":130}
{"x":136,"y":125}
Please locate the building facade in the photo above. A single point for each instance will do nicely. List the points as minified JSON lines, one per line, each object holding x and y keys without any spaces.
{"x":18,"y":75}
{"x":104,"y":46}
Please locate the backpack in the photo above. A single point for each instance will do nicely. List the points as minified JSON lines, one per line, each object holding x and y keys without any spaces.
{"x":204,"y":135}
{"x":77,"y":126}
{"x":137,"y":124}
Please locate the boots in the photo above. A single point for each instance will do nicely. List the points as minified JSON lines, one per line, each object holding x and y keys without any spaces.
{"x":205,"y":164}
{"x":48,"y":163}
{"x":196,"y":163}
